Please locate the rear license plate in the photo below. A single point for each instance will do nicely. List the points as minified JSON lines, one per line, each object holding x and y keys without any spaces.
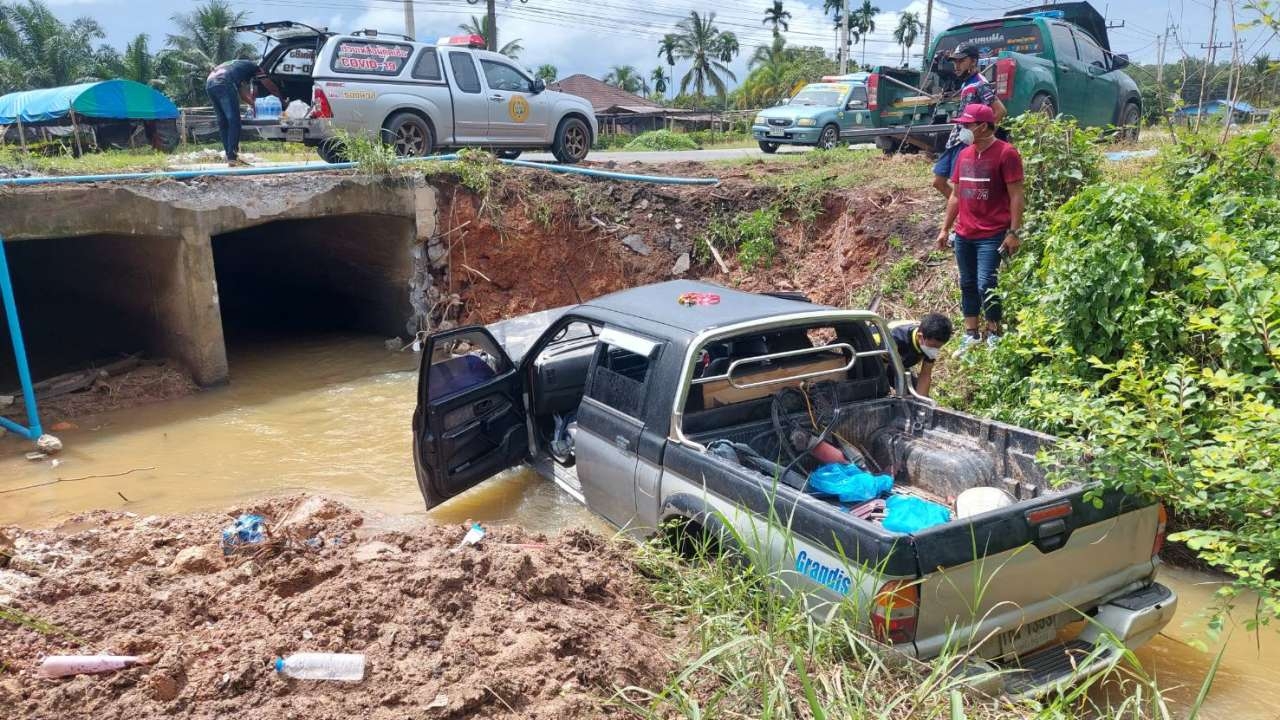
{"x":777,"y":133}
{"x":1028,"y":637}
{"x":294,"y":134}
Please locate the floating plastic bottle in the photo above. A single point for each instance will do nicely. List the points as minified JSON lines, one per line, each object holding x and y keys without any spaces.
{"x":56,"y":666}
{"x":322,"y":666}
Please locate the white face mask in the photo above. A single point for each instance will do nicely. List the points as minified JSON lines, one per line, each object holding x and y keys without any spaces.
{"x":930,"y":352}
{"x":966,"y":135}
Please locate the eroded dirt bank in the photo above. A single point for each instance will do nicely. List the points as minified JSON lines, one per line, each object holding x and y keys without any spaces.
{"x":521,"y":625}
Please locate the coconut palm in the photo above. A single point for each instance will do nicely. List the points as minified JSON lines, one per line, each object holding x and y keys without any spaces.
{"x":659,"y":78}
{"x":39,"y":50}
{"x":777,"y":17}
{"x":864,"y":19}
{"x":728,"y":47}
{"x":625,"y":77}
{"x":547,"y":73}
{"x":204,"y":40}
{"x":703,"y":44}
{"x":835,"y":7}
{"x":486,"y":30}
{"x":906,"y":32}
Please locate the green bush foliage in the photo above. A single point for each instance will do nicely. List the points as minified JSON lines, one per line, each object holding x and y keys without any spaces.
{"x":750,"y":233}
{"x":1148,"y":336}
{"x":662,"y":140}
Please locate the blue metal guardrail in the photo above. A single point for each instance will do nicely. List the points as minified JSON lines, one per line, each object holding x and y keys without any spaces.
{"x":32,"y":431}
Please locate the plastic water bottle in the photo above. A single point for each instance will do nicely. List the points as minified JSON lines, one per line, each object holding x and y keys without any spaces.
{"x":322,"y":666}
{"x":273,"y":107}
{"x":56,"y":666}
{"x":266,"y":108}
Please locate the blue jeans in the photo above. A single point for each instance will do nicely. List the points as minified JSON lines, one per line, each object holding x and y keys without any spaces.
{"x":226,"y":105}
{"x":979,"y":263}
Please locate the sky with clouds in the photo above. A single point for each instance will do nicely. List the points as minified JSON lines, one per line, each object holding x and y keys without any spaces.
{"x":591,"y":37}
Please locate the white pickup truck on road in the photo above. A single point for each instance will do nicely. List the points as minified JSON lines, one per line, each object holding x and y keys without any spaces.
{"x":419,"y":98}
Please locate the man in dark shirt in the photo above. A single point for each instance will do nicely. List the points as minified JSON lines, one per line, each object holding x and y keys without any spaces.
{"x":227,"y":85}
{"x":974,"y":89}
{"x":920,"y":343}
{"x":986,"y":212}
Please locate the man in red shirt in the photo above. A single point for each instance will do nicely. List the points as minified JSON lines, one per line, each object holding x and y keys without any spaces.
{"x":986,"y":213}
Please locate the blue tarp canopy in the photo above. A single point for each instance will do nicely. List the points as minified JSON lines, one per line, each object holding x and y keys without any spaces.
{"x":105,"y":100}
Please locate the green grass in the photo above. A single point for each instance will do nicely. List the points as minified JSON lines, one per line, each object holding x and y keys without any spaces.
{"x":141,"y":159}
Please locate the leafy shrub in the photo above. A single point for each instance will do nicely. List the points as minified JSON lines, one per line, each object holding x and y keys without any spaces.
{"x":1148,"y":337}
{"x":662,"y":140}
{"x":751,"y":234}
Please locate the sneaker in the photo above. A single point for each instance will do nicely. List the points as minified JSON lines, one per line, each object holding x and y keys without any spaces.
{"x":967,"y":343}
{"x":238,"y":163}
{"x":993,"y":339}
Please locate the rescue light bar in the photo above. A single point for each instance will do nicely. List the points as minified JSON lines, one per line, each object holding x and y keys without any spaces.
{"x":471,"y":41}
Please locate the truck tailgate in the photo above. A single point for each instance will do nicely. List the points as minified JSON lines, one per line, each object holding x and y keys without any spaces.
{"x":1038,"y":562}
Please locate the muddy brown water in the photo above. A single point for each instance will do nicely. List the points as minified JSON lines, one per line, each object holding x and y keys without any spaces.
{"x":331,"y":415}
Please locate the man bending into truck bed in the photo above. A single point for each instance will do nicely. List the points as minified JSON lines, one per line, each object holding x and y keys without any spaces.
{"x":973,"y":89}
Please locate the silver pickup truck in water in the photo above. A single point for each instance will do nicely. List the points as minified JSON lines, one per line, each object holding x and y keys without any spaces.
{"x":706,"y":408}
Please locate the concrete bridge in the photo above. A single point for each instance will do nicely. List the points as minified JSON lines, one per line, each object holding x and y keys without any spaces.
{"x":171,"y":268}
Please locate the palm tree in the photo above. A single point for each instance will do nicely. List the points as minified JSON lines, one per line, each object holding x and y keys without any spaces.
{"x":728,"y":47}
{"x":835,"y":7}
{"x":138,"y":64}
{"x":39,"y":50}
{"x":704,"y":45}
{"x":906,"y":32}
{"x":625,"y":77}
{"x":204,"y":40}
{"x":864,"y":19}
{"x":546,"y":73}
{"x":659,"y":78}
{"x":777,"y":17}
{"x":667,"y":50}
{"x":486,"y":30}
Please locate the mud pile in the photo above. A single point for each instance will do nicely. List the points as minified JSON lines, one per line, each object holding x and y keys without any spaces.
{"x":520,"y":625}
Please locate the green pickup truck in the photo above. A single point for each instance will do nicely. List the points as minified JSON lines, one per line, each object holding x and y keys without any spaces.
{"x":1054,"y":59}
{"x":819,"y":115}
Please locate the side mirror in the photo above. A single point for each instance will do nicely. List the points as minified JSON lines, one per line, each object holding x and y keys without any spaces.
{"x":537,"y":86}
{"x":1119,"y":62}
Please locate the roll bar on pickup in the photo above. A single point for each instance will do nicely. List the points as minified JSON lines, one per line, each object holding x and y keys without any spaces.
{"x":902,"y":383}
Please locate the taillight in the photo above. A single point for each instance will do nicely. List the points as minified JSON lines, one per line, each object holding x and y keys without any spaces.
{"x":320,"y":108}
{"x":1005,"y":70}
{"x":894,"y":611}
{"x":1162,"y":522}
{"x":873,"y":84}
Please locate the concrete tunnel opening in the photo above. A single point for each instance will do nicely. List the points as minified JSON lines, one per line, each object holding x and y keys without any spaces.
{"x":346,"y":274}
{"x":89,"y":300}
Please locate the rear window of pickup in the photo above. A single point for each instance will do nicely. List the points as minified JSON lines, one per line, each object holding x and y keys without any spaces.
{"x":994,"y":38}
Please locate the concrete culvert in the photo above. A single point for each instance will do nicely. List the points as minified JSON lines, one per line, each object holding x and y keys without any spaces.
{"x":329,"y":274}
{"x":95,"y":298}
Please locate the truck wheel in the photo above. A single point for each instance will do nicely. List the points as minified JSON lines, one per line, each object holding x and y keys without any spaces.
{"x":768,"y":148}
{"x":1044,"y":105}
{"x":506,"y":154}
{"x":408,"y":134}
{"x":1130,"y":123}
{"x":573,"y":140}
{"x":830,"y":137}
{"x":330,"y":151}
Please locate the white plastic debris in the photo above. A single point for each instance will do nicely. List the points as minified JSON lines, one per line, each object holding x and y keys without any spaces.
{"x":48,"y":444}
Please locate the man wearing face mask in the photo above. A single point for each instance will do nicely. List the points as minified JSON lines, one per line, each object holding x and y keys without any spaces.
{"x":986,"y":213}
{"x":974,"y":89}
{"x":921,"y":343}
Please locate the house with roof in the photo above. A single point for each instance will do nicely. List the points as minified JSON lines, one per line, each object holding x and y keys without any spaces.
{"x":1241,"y":112}
{"x":619,"y":111}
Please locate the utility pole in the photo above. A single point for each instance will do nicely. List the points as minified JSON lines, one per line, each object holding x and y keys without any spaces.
{"x":491,"y":16}
{"x":928,"y":30}
{"x":409,"y":29}
{"x":1204,"y":75}
{"x":844,"y":39}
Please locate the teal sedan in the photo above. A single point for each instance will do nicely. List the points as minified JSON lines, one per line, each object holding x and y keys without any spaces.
{"x":818,"y":115}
